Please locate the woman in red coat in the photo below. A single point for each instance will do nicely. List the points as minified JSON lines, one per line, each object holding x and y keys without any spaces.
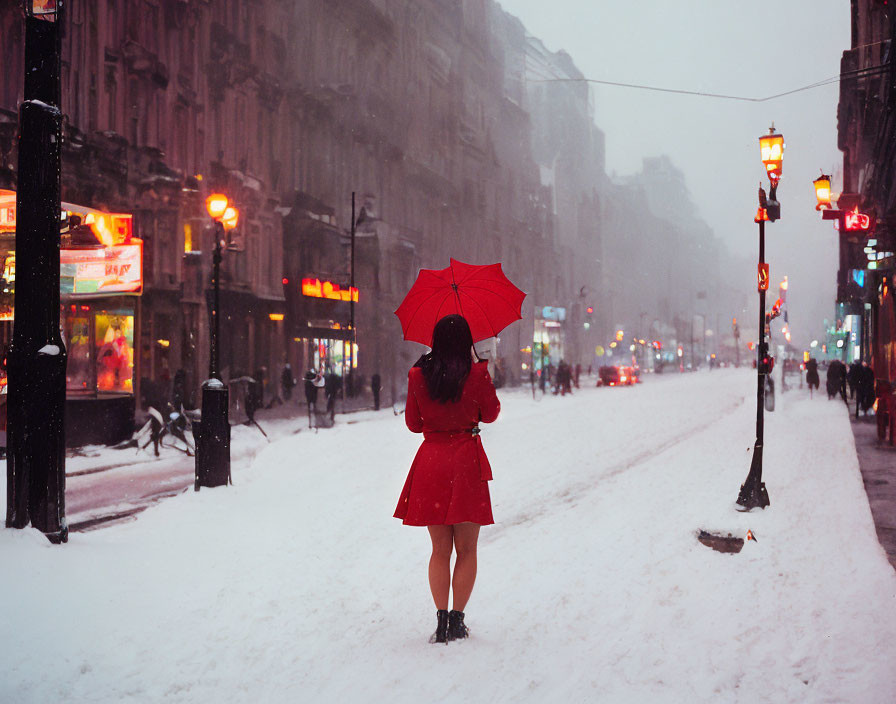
{"x":447,"y":486}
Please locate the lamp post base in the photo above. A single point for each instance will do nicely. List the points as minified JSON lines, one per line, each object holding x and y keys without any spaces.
{"x":752,"y":492}
{"x":213,"y":438}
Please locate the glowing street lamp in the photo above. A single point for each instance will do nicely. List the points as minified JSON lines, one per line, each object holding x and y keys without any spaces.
{"x":230,"y":218}
{"x":213,"y":439}
{"x":771,"y":150}
{"x":753,"y":493}
{"x":216,"y":204}
{"x":823,"y":192}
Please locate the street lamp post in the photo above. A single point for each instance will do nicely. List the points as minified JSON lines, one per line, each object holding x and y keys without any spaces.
{"x":35,"y":468}
{"x":213,"y":440}
{"x":753,"y":493}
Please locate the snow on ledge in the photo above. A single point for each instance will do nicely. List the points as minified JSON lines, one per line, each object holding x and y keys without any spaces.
{"x":49,"y":349}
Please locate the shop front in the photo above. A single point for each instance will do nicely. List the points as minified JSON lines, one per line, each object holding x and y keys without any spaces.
{"x":328,"y":349}
{"x":321,"y":336}
{"x":101,"y":279}
{"x":548,"y":340}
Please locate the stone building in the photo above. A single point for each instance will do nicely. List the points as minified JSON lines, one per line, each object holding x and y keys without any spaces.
{"x":289,"y":108}
{"x":866,"y":134}
{"x":429,"y":112}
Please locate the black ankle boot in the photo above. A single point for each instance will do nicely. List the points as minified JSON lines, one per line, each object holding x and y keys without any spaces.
{"x":456,"y":628}
{"x":441,"y":634}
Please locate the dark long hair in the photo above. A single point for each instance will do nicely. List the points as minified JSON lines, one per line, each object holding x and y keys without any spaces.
{"x":447,"y":367}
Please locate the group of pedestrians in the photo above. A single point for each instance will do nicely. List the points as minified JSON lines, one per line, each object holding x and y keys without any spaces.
{"x":316,"y":379}
{"x":859,"y":377}
{"x":562,"y":379}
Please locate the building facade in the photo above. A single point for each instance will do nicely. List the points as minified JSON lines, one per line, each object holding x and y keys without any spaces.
{"x":430,"y":113}
{"x":866,"y":119}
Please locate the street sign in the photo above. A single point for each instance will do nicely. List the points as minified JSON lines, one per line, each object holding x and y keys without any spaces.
{"x":763,"y":276}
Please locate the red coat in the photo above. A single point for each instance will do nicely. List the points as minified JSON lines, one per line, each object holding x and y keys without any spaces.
{"x":448,"y":481}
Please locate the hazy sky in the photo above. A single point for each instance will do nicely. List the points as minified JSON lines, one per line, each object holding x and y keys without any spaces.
{"x":735,"y":48}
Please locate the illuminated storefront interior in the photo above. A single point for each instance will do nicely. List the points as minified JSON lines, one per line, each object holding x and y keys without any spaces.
{"x":101,"y":276}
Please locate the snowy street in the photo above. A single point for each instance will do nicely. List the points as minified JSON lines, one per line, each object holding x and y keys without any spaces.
{"x":296,"y":584}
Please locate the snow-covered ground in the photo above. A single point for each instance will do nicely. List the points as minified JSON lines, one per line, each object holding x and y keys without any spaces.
{"x":296,"y":585}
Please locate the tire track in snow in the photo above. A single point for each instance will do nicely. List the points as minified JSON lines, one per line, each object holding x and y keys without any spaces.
{"x":580,"y":489}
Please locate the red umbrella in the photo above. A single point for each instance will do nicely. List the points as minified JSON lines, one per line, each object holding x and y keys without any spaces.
{"x":480,"y":293}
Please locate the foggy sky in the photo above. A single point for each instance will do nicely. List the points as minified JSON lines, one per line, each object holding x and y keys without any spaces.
{"x":720,"y":46}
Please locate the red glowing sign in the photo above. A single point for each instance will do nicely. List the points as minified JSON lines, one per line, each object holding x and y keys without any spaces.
{"x":763,"y":277}
{"x":327,"y":289}
{"x":855,"y":220}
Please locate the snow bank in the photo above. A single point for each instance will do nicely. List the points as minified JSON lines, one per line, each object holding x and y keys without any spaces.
{"x":295,"y":584}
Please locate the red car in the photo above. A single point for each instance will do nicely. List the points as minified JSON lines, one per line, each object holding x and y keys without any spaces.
{"x":616,"y":376}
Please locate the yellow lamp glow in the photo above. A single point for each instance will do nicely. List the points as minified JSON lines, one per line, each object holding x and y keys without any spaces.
{"x":771,"y":151}
{"x":230,"y":217}
{"x":216,"y":204}
{"x":823,"y":192}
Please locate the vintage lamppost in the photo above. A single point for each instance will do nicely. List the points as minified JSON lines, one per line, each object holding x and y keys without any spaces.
{"x":753,"y":493}
{"x":35,"y":468}
{"x":823,"y":192}
{"x":213,"y":439}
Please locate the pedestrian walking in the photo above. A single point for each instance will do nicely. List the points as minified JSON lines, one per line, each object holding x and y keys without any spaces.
{"x":287,"y":381}
{"x":812,"y":379}
{"x":564,"y":378}
{"x":313,"y":381}
{"x":865,"y":390}
{"x":447,"y":486}
{"x":332,"y":387}
{"x":376,"y":385}
{"x":179,"y":389}
{"x":854,"y":378}
{"x":836,"y":379}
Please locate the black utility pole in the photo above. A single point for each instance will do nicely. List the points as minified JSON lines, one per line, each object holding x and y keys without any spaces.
{"x":35,"y":466}
{"x":753,"y":493}
{"x":213,"y":440}
{"x":351,"y":302}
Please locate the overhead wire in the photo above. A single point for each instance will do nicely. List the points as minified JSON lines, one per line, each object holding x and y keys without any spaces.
{"x":867,"y":72}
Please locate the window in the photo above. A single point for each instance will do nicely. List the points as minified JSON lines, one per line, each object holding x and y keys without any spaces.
{"x":114,"y":351}
{"x":77,"y":372}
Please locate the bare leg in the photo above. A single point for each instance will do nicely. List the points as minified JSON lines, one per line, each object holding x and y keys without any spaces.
{"x":466,"y":537}
{"x":440,"y":564}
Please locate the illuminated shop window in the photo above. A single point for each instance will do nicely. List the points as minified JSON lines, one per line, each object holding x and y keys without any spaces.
{"x":77,"y":373}
{"x":114,"y":351}
{"x":331,"y":354}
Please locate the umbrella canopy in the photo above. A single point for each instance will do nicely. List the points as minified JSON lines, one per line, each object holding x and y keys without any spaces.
{"x":480,"y":293}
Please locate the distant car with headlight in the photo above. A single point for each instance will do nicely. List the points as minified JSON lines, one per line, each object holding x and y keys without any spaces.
{"x":613,"y":376}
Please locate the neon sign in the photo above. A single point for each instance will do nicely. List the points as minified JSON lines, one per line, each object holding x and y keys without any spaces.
{"x":327,"y":289}
{"x":855,"y":220}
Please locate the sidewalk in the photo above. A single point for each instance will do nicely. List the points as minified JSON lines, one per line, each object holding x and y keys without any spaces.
{"x":877,"y":460}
